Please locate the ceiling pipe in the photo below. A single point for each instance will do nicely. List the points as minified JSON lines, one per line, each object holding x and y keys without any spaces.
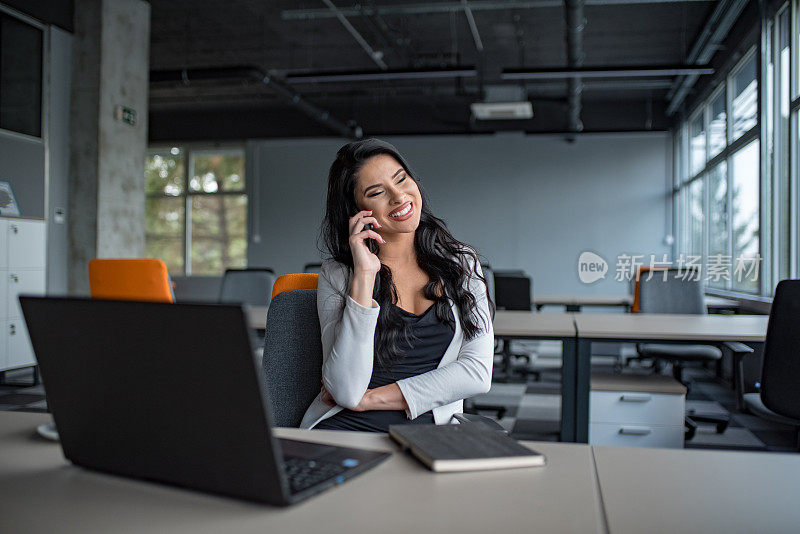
{"x":380,"y":75}
{"x":451,"y":7}
{"x":705,"y":46}
{"x":187,"y":76}
{"x":575,"y":24}
{"x":375,"y":55}
{"x":602,"y":72}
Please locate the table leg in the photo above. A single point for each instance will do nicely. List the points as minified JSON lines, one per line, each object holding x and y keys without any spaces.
{"x":568,"y":360}
{"x":583,"y":371}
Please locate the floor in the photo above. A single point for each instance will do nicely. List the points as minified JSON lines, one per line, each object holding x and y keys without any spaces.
{"x":532,"y":410}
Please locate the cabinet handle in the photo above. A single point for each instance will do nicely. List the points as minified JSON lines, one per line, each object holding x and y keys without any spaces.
{"x":12,"y":329}
{"x":14,"y":277}
{"x":635,"y":430}
{"x":634,"y":398}
{"x":15,"y":228}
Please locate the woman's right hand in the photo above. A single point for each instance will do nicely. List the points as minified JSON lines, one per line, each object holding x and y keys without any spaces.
{"x":363,"y":259}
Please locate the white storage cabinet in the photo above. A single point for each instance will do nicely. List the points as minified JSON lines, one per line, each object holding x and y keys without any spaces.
{"x":636,"y":411}
{"x":22,"y":270}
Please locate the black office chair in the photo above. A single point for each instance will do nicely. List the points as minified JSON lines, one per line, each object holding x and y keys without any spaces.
{"x":779,"y":398}
{"x":488,"y":273}
{"x":293,"y":358}
{"x":513,"y":290}
{"x":312,"y":268}
{"x":292,"y":355}
{"x":667,"y":291}
{"x":247,"y":286}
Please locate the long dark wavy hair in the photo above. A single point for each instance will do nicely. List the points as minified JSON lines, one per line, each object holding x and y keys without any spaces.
{"x":448,"y":262}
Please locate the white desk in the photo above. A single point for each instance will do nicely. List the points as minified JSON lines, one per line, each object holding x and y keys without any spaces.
{"x":41,"y":492}
{"x":529,"y":325}
{"x":643,"y":490}
{"x":652,"y":327}
{"x":660,"y":490}
{"x":672,"y":327}
{"x":574,"y":303}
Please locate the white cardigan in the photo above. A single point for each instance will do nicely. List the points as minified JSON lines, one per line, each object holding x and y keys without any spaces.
{"x":348,"y":333}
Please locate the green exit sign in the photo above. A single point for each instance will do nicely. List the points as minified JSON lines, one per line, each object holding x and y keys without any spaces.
{"x":126,"y":115}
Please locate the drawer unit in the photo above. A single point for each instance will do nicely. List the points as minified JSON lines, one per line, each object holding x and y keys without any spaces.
{"x":22,"y":270}
{"x":636,"y":407}
{"x":636,"y":411}
{"x":623,"y":435}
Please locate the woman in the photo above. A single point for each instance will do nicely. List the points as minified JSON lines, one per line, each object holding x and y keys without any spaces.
{"x":406,"y":322}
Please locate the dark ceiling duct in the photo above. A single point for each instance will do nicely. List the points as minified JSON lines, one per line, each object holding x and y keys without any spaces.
{"x":603,"y":72}
{"x":438,"y":7}
{"x":380,"y":75}
{"x":187,"y":76}
{"x":575,"y":25}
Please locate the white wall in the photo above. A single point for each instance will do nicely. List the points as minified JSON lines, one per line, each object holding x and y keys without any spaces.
{"x":530,"y":202}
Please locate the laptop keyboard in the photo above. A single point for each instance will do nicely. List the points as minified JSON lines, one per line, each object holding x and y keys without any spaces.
{"x":303,"y":473}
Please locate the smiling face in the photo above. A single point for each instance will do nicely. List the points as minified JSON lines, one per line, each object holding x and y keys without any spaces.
{"x":384,"y":187}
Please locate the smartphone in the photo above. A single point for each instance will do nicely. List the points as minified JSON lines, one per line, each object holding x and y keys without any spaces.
{"x":372,"y":245}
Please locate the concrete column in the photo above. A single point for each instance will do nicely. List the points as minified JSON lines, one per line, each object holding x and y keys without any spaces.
{"x":110,"y":63}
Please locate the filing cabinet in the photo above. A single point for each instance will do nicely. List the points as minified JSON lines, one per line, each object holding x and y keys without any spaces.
{"x":22,"y":271}
{"x":636,"y":411}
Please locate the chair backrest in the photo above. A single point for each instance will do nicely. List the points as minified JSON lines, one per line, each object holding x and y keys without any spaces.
{"x":669,"y":291}
{"x":247,"y":286}
{"x":290,"y":282}
{"x":312,"y":268}
{"x":292,"y":355}
{"x":509,"y":272}
{"x":512,"y":292}
{"x":129,"y":279}
{"x":488,"y":273}
{"x":780,"y":374}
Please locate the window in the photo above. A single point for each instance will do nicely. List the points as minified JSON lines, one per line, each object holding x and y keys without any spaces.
{"x":717,"y":125}
{"x":165,"y":206}
{"x":696,"y":215}
{"x":718,"y":201}
{"x":744,"y":88}
{"x":697,"y":150}
{"x":745,"y":210}
{"x":20,"y":76}
{"x":718,"y":211}
{"x":196,"y":209}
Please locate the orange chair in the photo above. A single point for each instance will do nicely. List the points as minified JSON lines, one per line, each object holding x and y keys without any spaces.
{"x":129,"y":279}
{"x":290,"y":282}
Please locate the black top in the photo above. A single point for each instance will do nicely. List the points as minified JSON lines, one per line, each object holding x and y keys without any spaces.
{"x":421,"y":353}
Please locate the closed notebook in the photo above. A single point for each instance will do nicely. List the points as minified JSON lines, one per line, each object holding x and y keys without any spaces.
{"x":467,"y":447}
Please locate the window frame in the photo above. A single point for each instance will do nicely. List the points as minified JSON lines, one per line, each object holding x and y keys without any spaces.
{"x":187,"y":152}
{"x":687,"y":178}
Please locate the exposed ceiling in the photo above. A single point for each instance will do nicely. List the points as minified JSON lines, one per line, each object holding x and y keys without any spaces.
{"x":284,"y":39}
